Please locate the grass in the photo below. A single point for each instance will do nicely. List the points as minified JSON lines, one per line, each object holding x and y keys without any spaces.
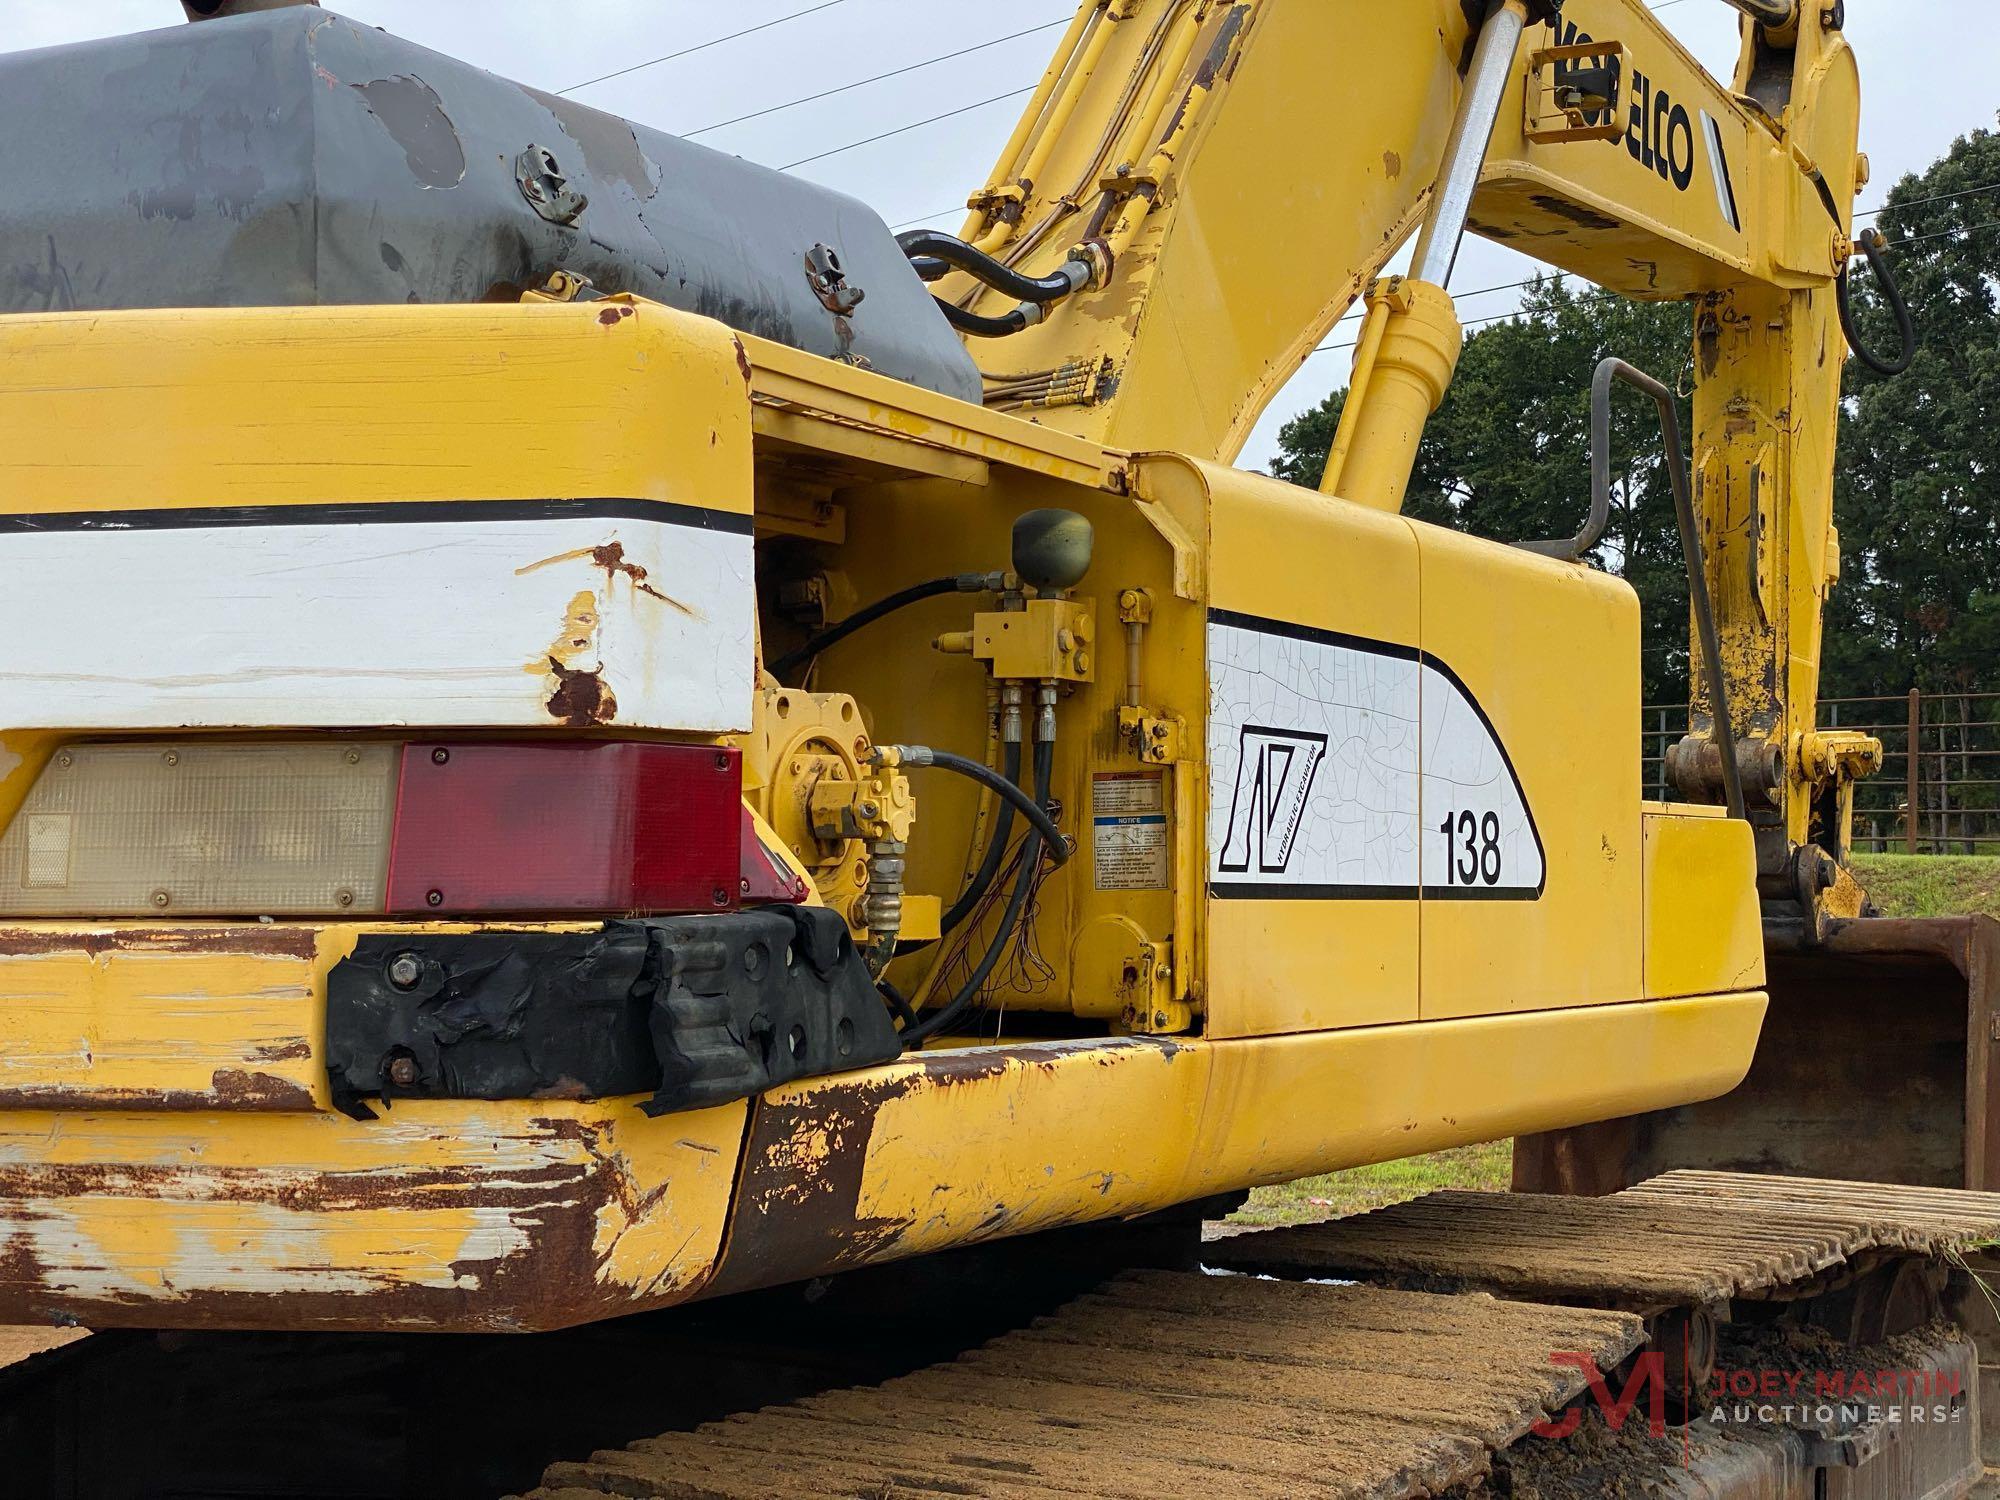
{"x":1360,"y":1188}
{"x":1931,"y":885}
{"x":1902,"y":885}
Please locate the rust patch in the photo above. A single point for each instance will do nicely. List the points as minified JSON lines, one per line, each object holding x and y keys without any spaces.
{"x":797,"y":1210}
{"x":795,"y":1214}
{"x":263,"y":940}
{"x":229,"y":1090}
{"x":611,"y":557}
{"x":553,"y":1284}
{"x":610,"y":317}
{"x":1218,"y":53}
{"x":297,"y":1051}
{"x":258,"y":1091}
{"x":1392,"y":164}
{"x":581,"y":698}
{"x":742,"y":359}
{"x":578,"y":693}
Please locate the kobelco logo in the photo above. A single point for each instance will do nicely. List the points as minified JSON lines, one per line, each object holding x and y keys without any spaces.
{"x":1659,"y":132}
{"x":1274,"y":777}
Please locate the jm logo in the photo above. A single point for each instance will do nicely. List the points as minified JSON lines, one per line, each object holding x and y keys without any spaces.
{"x":1274,"y":777}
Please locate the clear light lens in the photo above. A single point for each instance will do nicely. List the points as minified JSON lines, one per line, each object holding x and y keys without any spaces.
{"x":203,"y":829}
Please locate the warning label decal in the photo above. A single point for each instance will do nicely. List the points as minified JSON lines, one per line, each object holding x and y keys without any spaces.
{"x":1128,"y":814}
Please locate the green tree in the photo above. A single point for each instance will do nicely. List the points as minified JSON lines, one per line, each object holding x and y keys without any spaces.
{"x":1917,"y":489}
{"x":1508,"y":454}
{"x":1917,"y":494}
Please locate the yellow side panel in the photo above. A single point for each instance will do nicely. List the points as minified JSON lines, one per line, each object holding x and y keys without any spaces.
{"x":1704,"y":933}
{"x":957,"y":1147}
{"x":263,"y":406}
{"x":1550,"y":652}
{"x":1306,"y":965}
{"x":1293,"y":1106}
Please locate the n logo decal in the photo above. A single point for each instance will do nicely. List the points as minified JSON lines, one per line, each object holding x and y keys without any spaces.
{"x":1274,"y":777}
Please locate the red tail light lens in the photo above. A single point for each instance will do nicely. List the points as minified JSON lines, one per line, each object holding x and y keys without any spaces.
{"x":570,"y":827}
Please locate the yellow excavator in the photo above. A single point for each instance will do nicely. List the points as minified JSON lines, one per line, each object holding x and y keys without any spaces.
{"x":586,"y":728}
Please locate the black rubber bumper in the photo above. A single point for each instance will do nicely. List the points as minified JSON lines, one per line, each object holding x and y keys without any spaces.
{"x":693,"y":1011}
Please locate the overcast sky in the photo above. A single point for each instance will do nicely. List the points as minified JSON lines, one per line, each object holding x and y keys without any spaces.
{"x":1930,"y":71}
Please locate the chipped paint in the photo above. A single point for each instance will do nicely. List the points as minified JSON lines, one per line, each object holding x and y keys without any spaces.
{"x":493,"y":1217}
{"x":610,"y":556}
{"x":410,"y":110}
{"x":209,"y":1018}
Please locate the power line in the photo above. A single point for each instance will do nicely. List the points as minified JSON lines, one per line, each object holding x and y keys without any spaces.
{"x":860,"y":83}
{"x":1934,"y":198}
{"x":943,"y":213}
{"x":1867,"y":213}
{"x":905,"y":129}
{"x":703,"y":46}
{"x":1917,"y":239}
{"x":1468,"y":323}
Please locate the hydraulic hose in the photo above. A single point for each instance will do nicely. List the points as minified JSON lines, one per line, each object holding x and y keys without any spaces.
{"x":956,"y":583}
{"x":935,"y":253}
{"x":996,"y":849}
{"x":1017,"y":903}
{"x":1873,"y":245}
{"x":981,"y":326}
{"x":1031,"y":808}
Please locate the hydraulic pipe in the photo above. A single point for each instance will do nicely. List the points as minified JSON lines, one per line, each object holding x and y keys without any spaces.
{"x":1139,"y":204}
{"x":1060,"y":111}
{"x":1777,"y":15}
{"x":1019,"y":143}
{"x":1368,"y":348}
{"x":1471,"y":133}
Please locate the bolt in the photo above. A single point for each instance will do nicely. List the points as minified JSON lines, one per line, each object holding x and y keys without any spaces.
{"x":861,"y":747}
{"x":434,"y":898}
{"x":405,"y":969}
{"x":403,"y":1071}
{"x":438,"y":757}
{"x":798,"y":768}
{"x":1129,"y":599}
{"x":744,"y":885}
{"x":354,"y":757}
{"x":871,"y":809}
{"x":161,"y":898}
{"x":719,"y":896}
{"x":65,"y":759}
{"x":1160,"y":1019}
{"x":722,"y":760}
{"x":343,"y":898}
{"x":1065,"y":640}
{"x":172,"y":757}
{"x":1158,"y":731}
{"x":1083,"y":661}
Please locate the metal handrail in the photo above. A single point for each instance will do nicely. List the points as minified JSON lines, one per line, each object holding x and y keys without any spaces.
{"x":1609,"y":372}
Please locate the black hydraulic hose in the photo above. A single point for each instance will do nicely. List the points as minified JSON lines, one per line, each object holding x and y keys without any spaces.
{"x":996,"y":848}
{"x":957,"y":583}
{"x":896,"y":1001}
{"x":979,"y":325}
{"x":930,"y":249}
{"x":1017,"y":903}
{"x":1031,"y":808}
{"x":1873,"y":245}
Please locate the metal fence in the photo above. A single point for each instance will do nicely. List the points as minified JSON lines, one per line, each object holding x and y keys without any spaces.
{"x":1942,"y":799}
